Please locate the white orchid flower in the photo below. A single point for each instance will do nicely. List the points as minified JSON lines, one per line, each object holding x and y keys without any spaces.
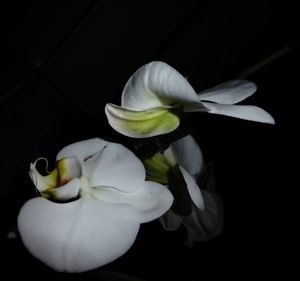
{"x":156,"y":95}
{"x":205,"y":218}
{"x":91,"y":206}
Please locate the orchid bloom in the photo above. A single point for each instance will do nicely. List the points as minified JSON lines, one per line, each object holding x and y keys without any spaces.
{"x":204,"y":220}
{"x":156,"y":95}
{"x":90,"y":206}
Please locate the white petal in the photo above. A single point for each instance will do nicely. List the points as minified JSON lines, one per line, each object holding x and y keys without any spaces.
{"x":77,"y":236}
{"x":68,"y":168}
{"x":151,"y":200}
{"x":193,"y":189}
{"x":170,"y":221}
{"x":67,"y":191}
{"x":230,"y":92}
{"x":82,"y":149}
{"x":42,"y":183}
{"x":188,"y":155}
{"x":164,"y":200}
{"x":247,"y":112}
{"x":115,"y":166}
{"x":170,"y":156}
{"x":141,"y":124}
{"x":156,"y":84}
{"x":205,"y":224}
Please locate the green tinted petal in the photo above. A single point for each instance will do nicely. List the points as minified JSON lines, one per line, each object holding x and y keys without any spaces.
{"x":142,"y":124}
{"x":157,"y":169}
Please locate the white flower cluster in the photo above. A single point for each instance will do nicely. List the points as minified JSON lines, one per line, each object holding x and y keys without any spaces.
{"x":90,"y":207}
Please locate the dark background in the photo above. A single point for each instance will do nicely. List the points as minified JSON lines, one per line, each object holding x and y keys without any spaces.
{"x":61,"y":61}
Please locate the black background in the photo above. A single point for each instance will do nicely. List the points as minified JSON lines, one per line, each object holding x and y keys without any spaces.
{"x":61,"y":61}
